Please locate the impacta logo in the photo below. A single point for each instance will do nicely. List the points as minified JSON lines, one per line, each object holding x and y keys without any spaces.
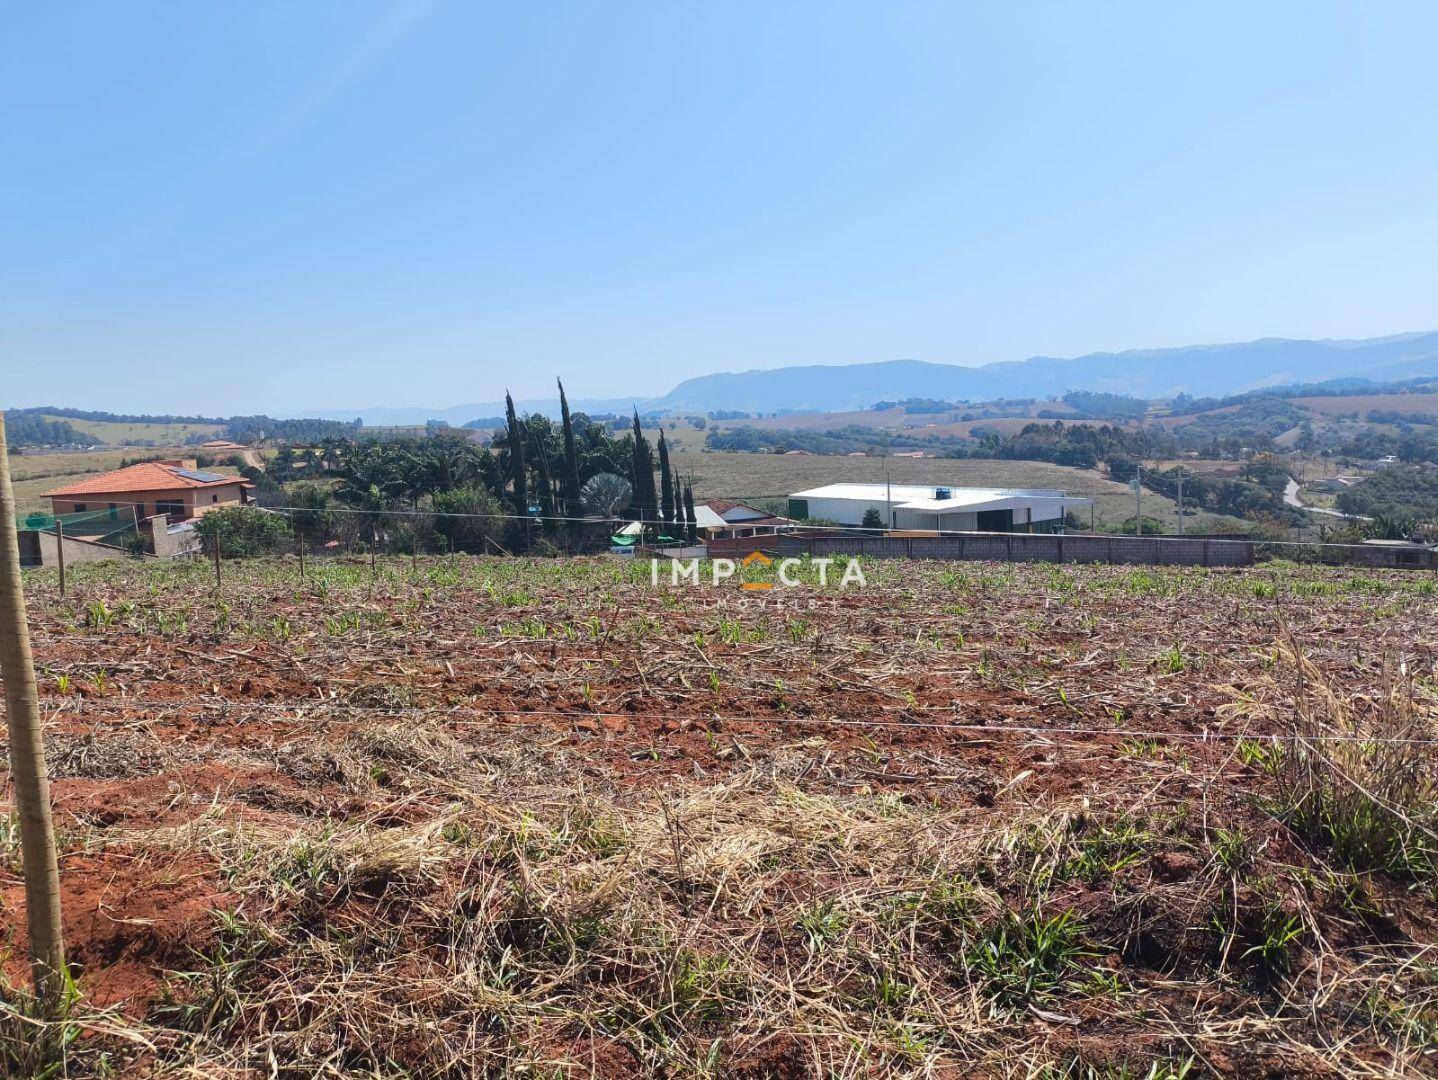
{"x":757,"y":558}
{"x":687,"y":571}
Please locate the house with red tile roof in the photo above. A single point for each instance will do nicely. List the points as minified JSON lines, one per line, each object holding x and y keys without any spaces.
{"x":176,"y":489}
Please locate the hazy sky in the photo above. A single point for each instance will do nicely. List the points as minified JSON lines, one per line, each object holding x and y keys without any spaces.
{"x":270,"y":206}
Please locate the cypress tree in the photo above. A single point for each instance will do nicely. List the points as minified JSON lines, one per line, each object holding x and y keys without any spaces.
{"x":678,"y":500}
{"x":646,"y":500}
{"x":691,"y":521}
{"x":516,"y":457}
{"x":545,"y":492}
{"x":666,"y":479}
{"x":570,"y":485}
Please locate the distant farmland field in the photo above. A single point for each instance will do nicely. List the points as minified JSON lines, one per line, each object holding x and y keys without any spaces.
{"x":118,"y":434}
{"x":770,"y":477}
{"x":1407,"y":404}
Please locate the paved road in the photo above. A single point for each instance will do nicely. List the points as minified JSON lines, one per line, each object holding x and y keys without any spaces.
{"x":1290,"y":496}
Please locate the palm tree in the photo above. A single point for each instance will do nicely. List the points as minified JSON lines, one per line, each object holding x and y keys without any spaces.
{"x":606,"y":494}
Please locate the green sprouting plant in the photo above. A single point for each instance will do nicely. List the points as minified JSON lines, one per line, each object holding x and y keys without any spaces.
{"x":1232,"y":849}
{"x":1172,"y":660}
{"x":1278,"y":933}
{"x":1024,"y":957}
{"x":62,"y":683}
{"x":1141,"y":748}
{"x":733,"y":632}
{"x":714,"y":684}
{"x":223,"y":618}
{"x":886,"y":990}
{"x":99,"y":614}
{"x":701,"y":988}
{"x":1104,"y":851}
{"x":1267,"y":756}
{"x":1104,"y":982}
{"x":821,"y":924}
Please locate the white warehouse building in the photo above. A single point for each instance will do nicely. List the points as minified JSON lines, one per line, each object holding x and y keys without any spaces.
{"x":948,"y":509}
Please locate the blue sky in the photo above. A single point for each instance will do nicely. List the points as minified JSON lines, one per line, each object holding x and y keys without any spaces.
{"x":275,"y":206}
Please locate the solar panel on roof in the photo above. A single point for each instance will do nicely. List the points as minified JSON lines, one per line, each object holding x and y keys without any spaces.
{"x":202,"y":477}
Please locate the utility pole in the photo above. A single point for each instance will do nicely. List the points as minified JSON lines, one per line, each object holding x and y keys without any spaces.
{"x":888,"y":494}
{"x":1180,"y":501}
{"x":27,"y":765}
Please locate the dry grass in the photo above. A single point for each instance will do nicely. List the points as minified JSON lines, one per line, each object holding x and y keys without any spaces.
{"x":389,"y":869}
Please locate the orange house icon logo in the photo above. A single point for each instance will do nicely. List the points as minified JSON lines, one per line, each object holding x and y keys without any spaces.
{"x":757,"y":558}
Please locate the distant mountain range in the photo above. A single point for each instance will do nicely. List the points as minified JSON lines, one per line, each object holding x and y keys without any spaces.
{"x":1201,"y":370}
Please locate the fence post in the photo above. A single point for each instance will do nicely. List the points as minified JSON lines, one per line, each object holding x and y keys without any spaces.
{"x":300,"y":544}
{"x":60,"y":551}
{"x":217,"y":560}
{"x":27,"y":766}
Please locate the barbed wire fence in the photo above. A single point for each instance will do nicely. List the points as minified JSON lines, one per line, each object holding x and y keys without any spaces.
{"x":317,"y":533}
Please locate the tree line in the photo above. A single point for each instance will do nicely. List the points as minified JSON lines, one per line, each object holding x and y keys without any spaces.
{"x":534,"y":485}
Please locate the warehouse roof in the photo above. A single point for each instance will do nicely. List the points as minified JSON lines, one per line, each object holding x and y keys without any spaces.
{"x":928,"y":496}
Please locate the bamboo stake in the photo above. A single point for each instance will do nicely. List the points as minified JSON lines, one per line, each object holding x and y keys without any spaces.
{"x":27,"y":765}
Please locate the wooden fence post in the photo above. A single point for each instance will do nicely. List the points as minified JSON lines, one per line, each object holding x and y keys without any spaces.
{"x":27,"y":765}
{"x":217,"y":560}
{"x":60,"y":551}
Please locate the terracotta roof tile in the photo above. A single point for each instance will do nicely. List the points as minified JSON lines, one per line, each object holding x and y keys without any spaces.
{"x":146,"y":476}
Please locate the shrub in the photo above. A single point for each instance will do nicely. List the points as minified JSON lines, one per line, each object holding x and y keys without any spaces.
{"x":243,"y":531}
{"x":483,"y":520}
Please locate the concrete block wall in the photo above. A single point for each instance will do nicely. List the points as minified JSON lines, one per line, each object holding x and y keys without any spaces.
{"x":1025,"y":547}
{"x":42,"y":549}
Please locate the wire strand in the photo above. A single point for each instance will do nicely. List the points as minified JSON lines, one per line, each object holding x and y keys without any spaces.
{"x":1068,"y":731}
